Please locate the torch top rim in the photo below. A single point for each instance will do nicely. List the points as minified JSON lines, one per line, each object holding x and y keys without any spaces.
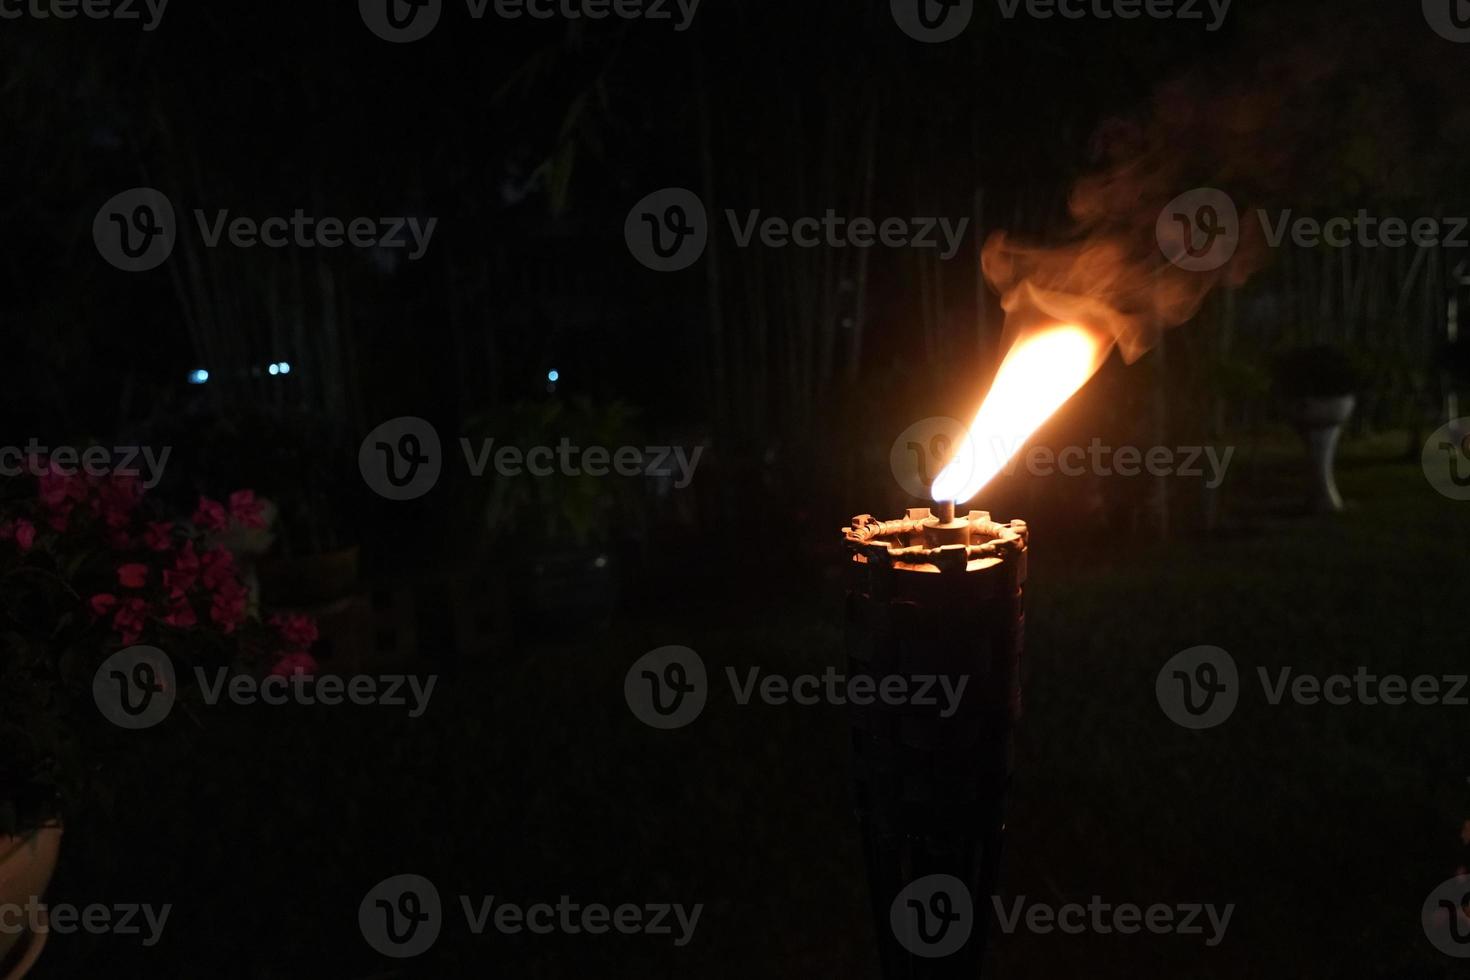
{"x":923,"y":539}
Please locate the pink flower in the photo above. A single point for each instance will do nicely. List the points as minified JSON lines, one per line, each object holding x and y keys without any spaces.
{"x":61,"y":491}
{"x":211,"y":515}
{"x":101,"y":604}
{"x":130,"y":620}
{"x":159,"y":536}
{"x":298,"y":631}
{"x":185,"y":573}
{"x":246,"y":510}
{"x":117,"y":498}
{"x":21,"y":531}
{"x":219,"y":567}
{"x":180,"y":613}
{"x":228,"y":608}
{"x":133,"y":575}
{"x":58,"y":519}
{"x":291,"y":664}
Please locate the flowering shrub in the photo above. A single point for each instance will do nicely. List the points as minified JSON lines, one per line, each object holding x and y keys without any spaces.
{"x":87,"y":568}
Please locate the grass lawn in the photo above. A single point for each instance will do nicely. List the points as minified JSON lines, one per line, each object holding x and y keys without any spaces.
{"x":529,"y":779}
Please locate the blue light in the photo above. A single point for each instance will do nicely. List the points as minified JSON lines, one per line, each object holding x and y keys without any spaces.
{"x":274,"y":369}
{"x":198,"y":376}
{"x":285,"y":367}
{"x":553,"y":376}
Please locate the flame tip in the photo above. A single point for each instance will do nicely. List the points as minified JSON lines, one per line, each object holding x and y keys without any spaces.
{"x":1039,"y":373}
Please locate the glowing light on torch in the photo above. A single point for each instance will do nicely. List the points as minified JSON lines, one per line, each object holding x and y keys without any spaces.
{"x":1039,"y":373}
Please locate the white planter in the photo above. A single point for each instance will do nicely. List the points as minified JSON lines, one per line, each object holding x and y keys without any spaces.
{"x":1320,"y":422}
{"x":26,"y":864}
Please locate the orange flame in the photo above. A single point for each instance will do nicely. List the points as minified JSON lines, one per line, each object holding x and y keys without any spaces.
{"x":1038,"y":375}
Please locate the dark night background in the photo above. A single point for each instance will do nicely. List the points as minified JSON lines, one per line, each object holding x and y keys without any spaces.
{"x":795,"y":369}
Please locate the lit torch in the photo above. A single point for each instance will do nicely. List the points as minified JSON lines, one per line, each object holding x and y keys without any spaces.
{"x":941,"y":596}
